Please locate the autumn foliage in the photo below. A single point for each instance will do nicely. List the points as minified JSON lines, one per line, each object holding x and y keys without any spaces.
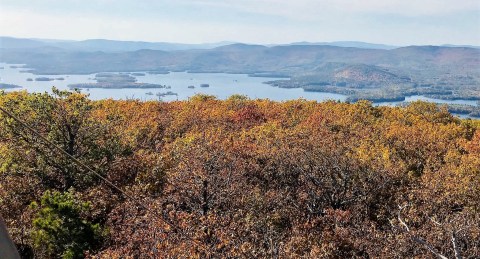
{"x":241,"y":178}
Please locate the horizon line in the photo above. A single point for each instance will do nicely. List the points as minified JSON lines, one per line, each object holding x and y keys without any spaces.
{"x":229,"y":42}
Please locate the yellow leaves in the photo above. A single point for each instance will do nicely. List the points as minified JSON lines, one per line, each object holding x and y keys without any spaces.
{"x":12,"y":159}
{"x":6,"y":159}
{"x":232,"y":173}
{"x":374,"y":154}
{"x":453,"y":157}
{"x":189,"y":139}
{"x":202,"y":98}
{"x":265,"y":131}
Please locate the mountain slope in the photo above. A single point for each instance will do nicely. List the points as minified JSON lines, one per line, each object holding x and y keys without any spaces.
{"x":439,"y":72}
{"x":104,"y":45}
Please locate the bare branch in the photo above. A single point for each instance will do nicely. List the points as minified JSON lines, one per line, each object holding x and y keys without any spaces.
{"x":418,"y":239}
{"x":455,"y":247}
{"x":428,"y":246}
{"x":435,"y":222}
{"x":399,"y":217}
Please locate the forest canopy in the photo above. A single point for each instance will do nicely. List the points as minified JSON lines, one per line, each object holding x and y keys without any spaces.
{"x":238,"y":178}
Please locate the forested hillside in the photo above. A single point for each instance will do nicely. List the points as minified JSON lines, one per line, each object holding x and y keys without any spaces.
{"x":378,"y":75}
{"x":238,"y":178}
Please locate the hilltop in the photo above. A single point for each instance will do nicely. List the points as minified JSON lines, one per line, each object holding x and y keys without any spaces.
{"x":238,"y":178}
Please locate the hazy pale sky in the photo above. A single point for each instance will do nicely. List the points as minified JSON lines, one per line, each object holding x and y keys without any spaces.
{"x":396,"y":22}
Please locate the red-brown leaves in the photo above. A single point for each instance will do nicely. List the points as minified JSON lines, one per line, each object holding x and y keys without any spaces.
{"x":247,"y":178}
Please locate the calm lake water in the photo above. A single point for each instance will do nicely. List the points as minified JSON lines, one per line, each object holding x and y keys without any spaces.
{"x":221,"y":85}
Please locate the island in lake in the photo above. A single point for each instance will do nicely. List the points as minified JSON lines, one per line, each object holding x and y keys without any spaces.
{"x":115,"y":81}
{"x":114,"y":85}
{"x":44,"y":79}
{"x":8,"y":86}
{"x":469,"y":110}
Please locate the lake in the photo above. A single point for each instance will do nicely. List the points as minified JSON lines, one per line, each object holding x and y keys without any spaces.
{"x":221,"y":85}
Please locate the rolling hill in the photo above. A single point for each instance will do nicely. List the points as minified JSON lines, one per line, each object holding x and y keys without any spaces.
{"x":375,"y":74}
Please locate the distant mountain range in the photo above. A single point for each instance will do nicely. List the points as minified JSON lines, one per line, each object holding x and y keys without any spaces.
{"x":121,"y":46}
{"x":359,"y":70}
{"x":347,"y":44}
{"x":101,"y":45}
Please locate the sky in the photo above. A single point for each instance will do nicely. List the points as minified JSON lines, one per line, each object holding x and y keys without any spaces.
{"x":393,"y":22}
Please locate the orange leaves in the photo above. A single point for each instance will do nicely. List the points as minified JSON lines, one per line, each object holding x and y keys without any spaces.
{"x":474,"y":145}
{"x":248,"y":115}
{"x":255,"y":178}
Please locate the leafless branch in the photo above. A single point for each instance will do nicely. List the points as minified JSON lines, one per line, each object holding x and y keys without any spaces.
{"x":418,"y":239}
{"x":455,"y":247}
